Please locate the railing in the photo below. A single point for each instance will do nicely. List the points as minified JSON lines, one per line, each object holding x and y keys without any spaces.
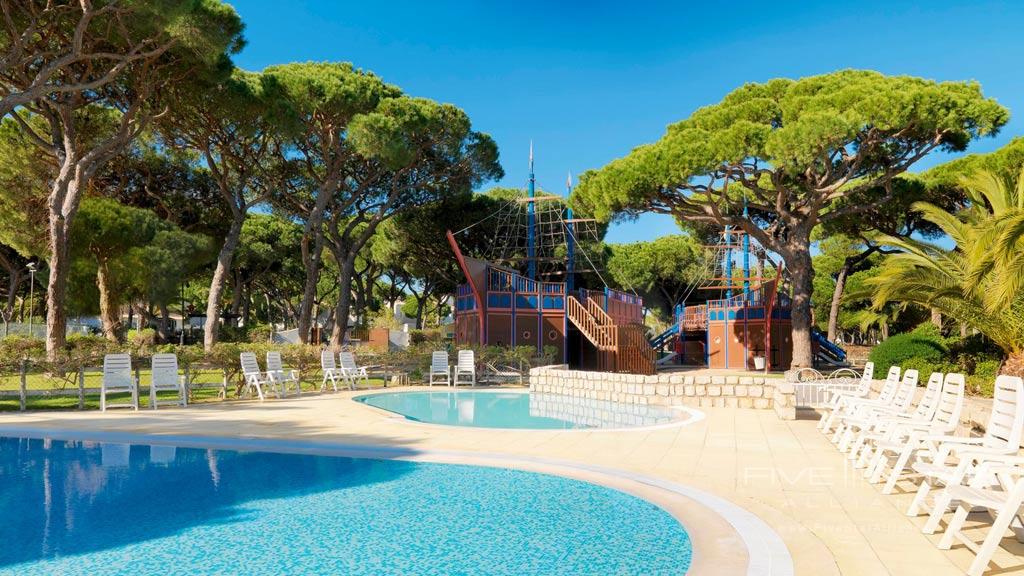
{"x":695,"y":317}
{"x":633,"y":352}
{"x":602,"y":317}
{"x":505,"y":281}
{"x":588,"y":325}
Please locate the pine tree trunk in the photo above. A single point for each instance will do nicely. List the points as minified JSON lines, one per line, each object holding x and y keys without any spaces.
{"x":312,"y":257}
{"x":56,"y":287}
{"x":937,"y":318}
{"x":344,"y":302}
{"x":837,"y":299}
{"x":220,"y":275}
{"x":165,"y":323}
{"x":110,"y":312}
{"x":801,"y":271}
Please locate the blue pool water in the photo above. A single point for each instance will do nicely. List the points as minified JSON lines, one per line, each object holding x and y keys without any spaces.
{"x":518,"y":410}
{"x":93,"y":509}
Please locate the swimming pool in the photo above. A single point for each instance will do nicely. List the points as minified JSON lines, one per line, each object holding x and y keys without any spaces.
{"x":488,"y":409}
{"x":99,"y":508}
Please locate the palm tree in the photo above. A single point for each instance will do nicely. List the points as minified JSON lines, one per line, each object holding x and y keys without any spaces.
{"x":979,"y":282}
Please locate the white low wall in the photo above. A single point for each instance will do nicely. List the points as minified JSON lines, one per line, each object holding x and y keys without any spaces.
{"x":669,"y":389}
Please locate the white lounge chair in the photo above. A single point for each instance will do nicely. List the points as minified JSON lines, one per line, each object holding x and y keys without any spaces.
{"x":869,"y":416}
{"x":1003,"y":499}
{"x":440,"y":373}
{"x":254,"y":379}
{"x":465,"y":368}
{"x":329,"y":366}
{"x":879,"y":421}
{"x":899,"y":440}
{"x":857,"y":410}
{"x":280,"y":378}
{"x":862,"y":391}
{"x":165,"y":378}
{"x":118,"y":379}
{"x":501,"y":374}
{"x":352,"y":372}
{"x":934,"y":458}
{"x":839,"y":402}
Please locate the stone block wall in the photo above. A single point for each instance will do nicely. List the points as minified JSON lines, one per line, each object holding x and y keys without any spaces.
{"x":669,"y":389}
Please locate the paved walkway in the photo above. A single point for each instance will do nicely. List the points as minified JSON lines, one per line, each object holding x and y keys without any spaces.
{"x":787,"y":473}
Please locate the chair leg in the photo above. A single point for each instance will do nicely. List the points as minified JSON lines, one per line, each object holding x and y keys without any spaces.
{"x":954,"y":526}
{"x":103,"y":399}
{"x":897,"y":471}
{"x":991,"y":542}
{"x":919,"y":498}
{"x":942,"y":501}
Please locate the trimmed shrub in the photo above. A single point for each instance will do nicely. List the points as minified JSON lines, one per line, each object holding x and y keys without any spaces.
{"x":926,"y":350}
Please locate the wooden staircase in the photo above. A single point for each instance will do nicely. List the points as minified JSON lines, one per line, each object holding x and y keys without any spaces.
{"x":620,"y":348}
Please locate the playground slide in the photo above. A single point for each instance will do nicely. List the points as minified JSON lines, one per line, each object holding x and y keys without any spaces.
{"x":828,"y":352}
{"x":658,"y":341}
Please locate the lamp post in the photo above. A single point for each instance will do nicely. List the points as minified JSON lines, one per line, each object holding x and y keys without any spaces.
{"x":183,"y":312}
{"x":31,"y":293}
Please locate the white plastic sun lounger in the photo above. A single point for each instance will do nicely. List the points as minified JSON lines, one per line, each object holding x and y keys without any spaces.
{"x":868,"y":415}
{"x":330,"y":369}
{"x":879,"y":421}
{"x":862,"y":391}
{"x":840,"y":402}
{"x":934,"y":459}
{"x":858,"y":410}
{"x":439,"y":371}
{"x":352,"y":372}
{"x":896,"y":443}
{"x":117,"y":379}
{"x":1003,"y":499}
{"x":465,"y":368}
{"x":254,"y":379}
{"x":280,"y":378}
{"x":165,"y":378}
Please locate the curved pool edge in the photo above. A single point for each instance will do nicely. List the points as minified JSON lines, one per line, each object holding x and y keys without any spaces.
{"x":713,"y":551}
{"x":693,"y":415}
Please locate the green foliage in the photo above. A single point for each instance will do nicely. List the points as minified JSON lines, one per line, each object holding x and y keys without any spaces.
{"x":141,"y":342}
{"x":791,"y":125}
{"x":419,"y":337}
{"x":303,"y":357}
{"x":662,"y":271}
{"x":977,"y":283}
{"x":258,"y":333}
{"x":901,"y":348}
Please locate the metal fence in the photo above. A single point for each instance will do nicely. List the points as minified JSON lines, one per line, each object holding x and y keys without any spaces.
{"x":815,"y":389}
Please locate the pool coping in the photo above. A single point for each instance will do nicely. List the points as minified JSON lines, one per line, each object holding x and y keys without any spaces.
{"x":767,"y":554}
{"x":694,"y":414}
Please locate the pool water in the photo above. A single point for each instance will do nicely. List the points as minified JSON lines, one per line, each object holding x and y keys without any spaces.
{"x":96,"y":509}
{"x":532,"y":410}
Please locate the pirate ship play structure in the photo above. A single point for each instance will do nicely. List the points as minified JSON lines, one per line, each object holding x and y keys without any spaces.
{"x":527,"y":293}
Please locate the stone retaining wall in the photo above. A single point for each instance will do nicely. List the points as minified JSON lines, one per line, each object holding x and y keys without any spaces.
{"x":669,"y":389}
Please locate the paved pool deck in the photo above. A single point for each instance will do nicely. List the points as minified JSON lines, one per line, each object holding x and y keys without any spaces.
{"x":784,"y":472}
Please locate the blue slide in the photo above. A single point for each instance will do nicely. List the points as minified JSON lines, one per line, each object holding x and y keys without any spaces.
{"x":828,"y":352}
{"x":658,"y":341}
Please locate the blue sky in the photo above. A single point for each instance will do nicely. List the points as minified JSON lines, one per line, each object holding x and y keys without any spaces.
{"x":588,"y":81}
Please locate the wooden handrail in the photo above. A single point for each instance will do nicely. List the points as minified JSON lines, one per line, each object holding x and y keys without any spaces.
{"x":595,"y":309}
{"x":588,"y":325}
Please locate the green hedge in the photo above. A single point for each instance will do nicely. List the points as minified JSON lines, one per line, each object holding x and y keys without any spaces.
{"x":924,"y":352}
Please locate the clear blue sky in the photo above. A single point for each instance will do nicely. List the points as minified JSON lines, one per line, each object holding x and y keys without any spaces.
{"x":588,"y":81}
